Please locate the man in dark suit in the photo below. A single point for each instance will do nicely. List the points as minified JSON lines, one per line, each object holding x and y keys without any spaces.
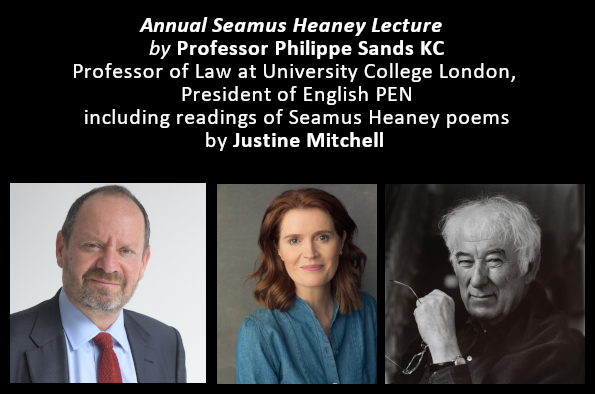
{"x":83,"y":334}
{"x":513,"y":333}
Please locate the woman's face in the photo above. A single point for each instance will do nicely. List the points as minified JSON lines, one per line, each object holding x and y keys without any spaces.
{"x":310,"y":247}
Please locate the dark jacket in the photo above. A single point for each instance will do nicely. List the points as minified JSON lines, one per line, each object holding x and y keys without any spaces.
{"x":532,"y":345}
{"x":38,"y":346}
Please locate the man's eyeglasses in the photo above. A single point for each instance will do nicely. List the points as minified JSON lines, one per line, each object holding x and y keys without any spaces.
{"x":413,"y":364}
{"x":416,"y":360}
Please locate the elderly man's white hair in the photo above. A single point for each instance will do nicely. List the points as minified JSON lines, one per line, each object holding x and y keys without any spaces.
{"x":499,"y":216}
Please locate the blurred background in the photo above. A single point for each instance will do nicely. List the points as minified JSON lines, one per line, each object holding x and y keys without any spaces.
{"x":416,"y":254}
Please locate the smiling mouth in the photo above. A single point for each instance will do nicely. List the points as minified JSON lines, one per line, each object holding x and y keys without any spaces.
{"x":105,"y":282}
{"x":312,"y":267}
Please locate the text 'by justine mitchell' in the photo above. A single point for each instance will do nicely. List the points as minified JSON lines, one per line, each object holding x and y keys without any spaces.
{"x":313,"y":140}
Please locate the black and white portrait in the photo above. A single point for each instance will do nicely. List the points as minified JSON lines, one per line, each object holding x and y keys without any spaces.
{"x":484,"y":283}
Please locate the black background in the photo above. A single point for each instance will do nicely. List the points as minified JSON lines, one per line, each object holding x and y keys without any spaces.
{"x":468,"y":42}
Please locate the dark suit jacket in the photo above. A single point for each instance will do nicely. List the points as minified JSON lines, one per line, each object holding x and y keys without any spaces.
{"x":532,"y":345}
{"x":38,"y":346}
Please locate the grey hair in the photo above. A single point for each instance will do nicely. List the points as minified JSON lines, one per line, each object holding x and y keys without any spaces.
{"x":501,"y":216}
{"x":110,"y":190}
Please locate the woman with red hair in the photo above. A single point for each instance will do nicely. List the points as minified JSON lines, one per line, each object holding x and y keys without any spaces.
{"x":315,"y":325}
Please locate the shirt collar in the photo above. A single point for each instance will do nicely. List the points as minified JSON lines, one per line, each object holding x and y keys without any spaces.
{"x":476,"y":324}
{"x":300,"y":304}
{"x":80,"y":329}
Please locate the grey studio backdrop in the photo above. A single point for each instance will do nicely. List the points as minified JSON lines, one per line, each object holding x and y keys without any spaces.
{"x":240,"y":209}
{"x":173,"y":289}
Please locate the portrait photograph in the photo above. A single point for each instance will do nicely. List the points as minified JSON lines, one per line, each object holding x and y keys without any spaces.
{"x":296,"y":284}
{"x":107,"y":283}
{"x":484,"y":283}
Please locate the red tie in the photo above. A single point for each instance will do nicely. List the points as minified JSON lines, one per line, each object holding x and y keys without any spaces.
{"x":109,"y":368}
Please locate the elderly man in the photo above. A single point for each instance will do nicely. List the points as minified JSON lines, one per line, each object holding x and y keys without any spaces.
{"x":82,"y":334}
{"x":513,"y":333}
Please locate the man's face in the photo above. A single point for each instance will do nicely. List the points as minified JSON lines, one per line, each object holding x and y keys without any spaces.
{"x":488,"y":274}
{"x":310,"y":247}
{"x":103,"y":262}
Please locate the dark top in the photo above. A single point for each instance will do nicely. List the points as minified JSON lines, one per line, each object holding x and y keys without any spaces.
{"x":532,"y":345}
{"x":38,"y":347}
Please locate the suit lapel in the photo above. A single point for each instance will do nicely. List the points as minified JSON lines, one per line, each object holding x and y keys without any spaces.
{"x":146,"y":361}
{"x":48,"y":363}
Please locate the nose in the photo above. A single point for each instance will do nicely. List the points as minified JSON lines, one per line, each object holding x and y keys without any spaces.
{"x":479,"y":276}
{"x":309,"y":251}
{"x":108,"y":261}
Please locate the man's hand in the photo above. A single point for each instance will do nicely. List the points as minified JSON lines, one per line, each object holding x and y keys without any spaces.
{"x":435,"y":318}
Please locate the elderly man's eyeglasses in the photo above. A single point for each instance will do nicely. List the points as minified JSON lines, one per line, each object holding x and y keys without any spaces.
{"x":416,"y":360}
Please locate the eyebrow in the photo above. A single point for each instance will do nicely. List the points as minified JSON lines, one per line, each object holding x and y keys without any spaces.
{"x":495,"y":251}
{"x":315,"y":234}
{"x":89,"y":236}
{"x":491,"y":251}
{"x":95,"y":239}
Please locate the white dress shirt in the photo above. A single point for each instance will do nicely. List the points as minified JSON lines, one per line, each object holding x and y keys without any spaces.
{"x":83,"y":353}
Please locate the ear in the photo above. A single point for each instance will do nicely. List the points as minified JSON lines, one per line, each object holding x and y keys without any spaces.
{"x":343,"y":239}
{"x":60,"y":248}
{"x":530,"y":274}
{"x":144,"y":263}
